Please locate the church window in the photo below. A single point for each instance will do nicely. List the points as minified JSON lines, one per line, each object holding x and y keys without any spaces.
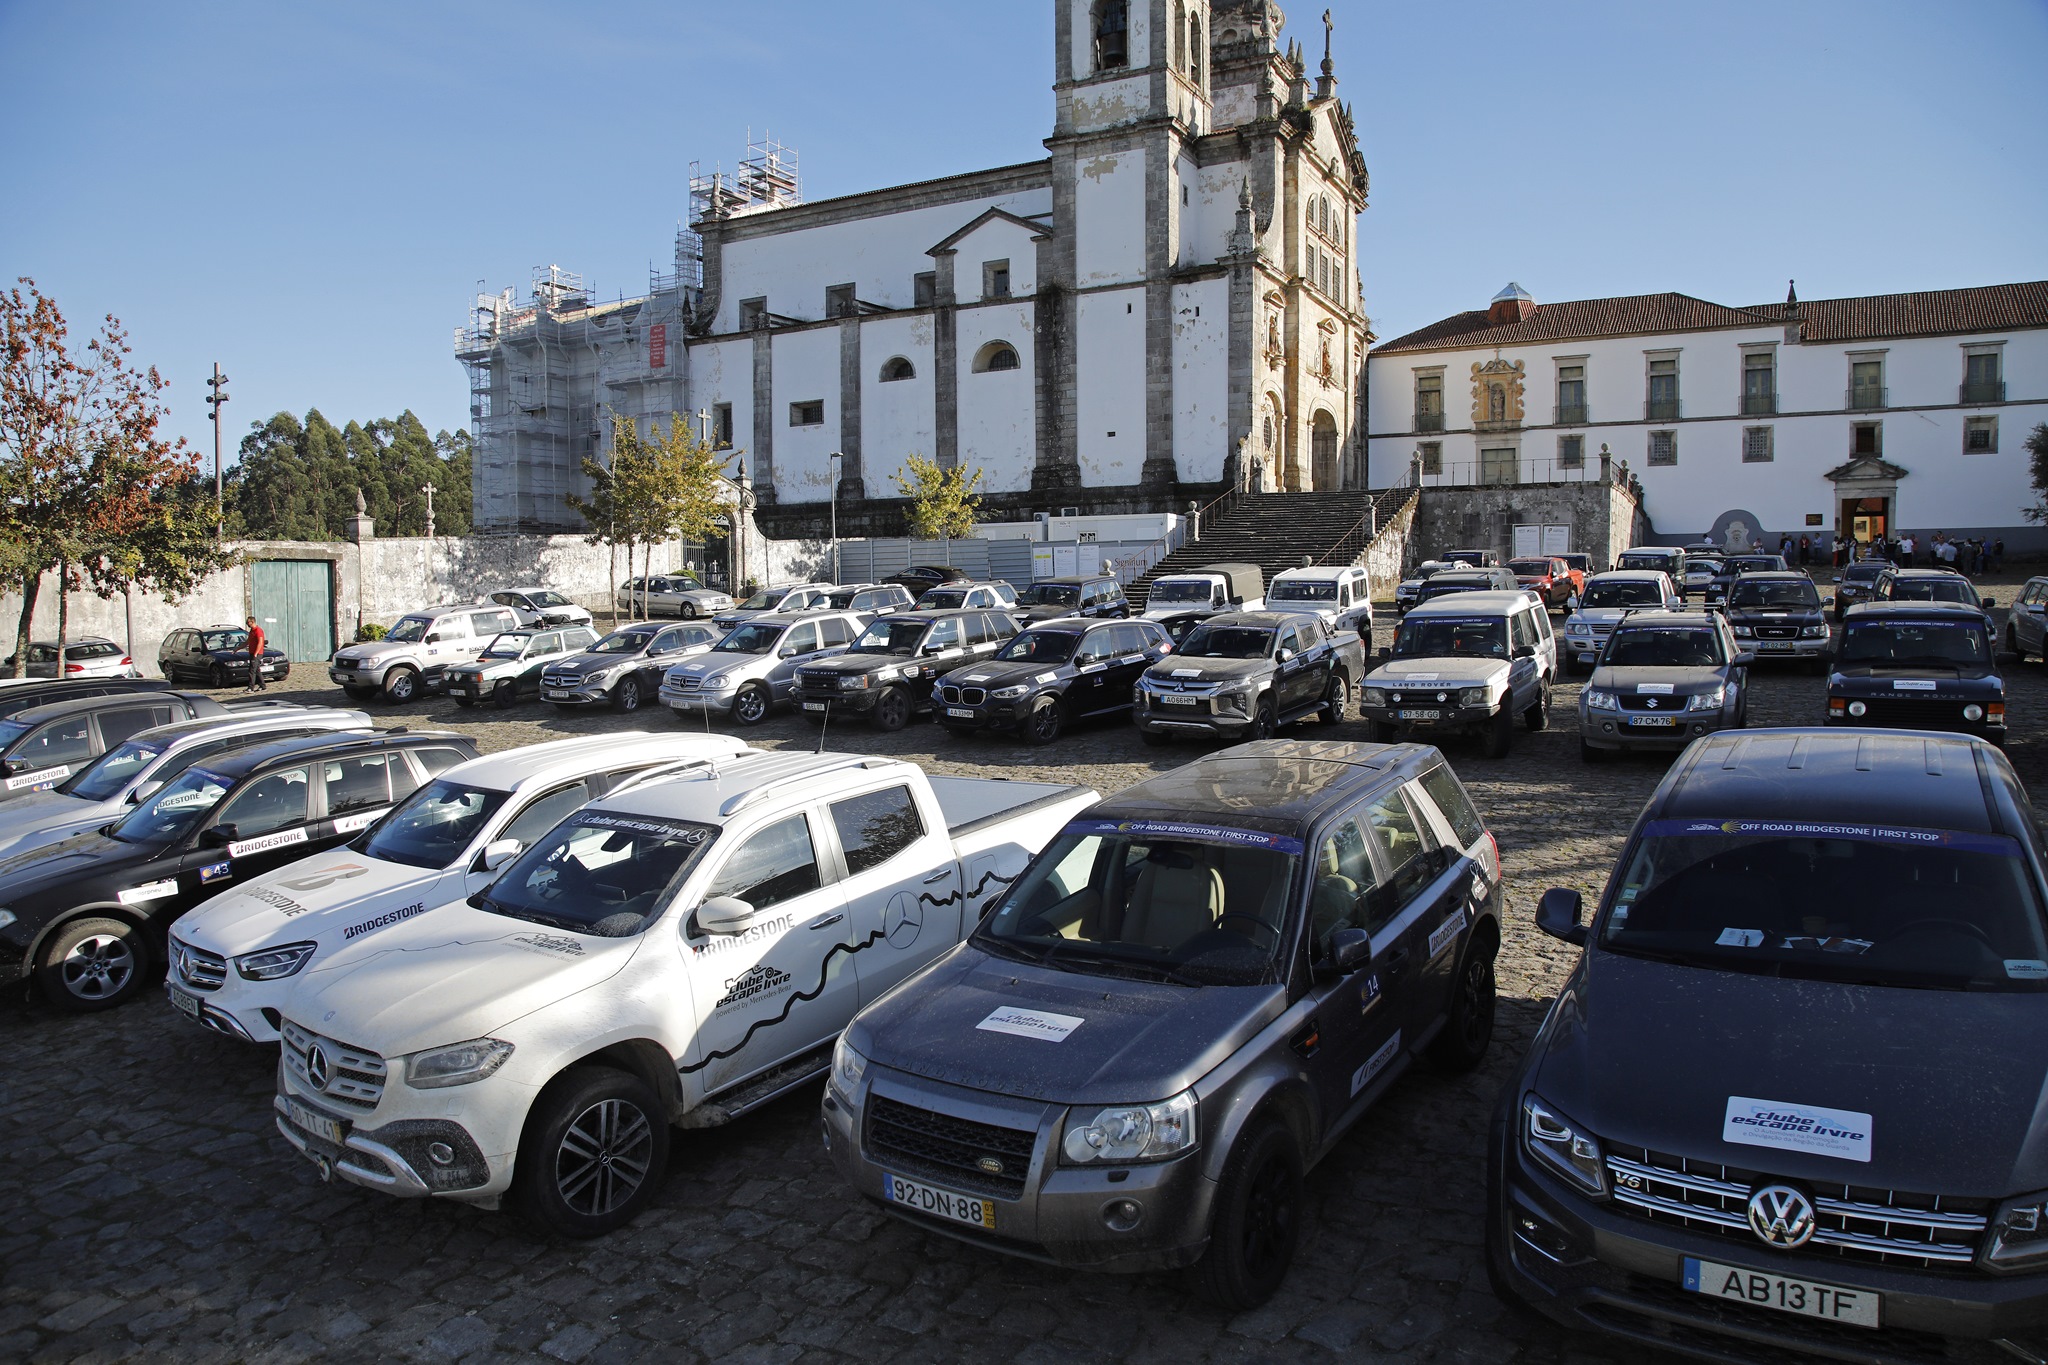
{"x":1432,"y":457}
{"x":1866,"y":438}
{"x":924,"y":288}
{"x":1195,"y":50}
{"x":721,"y":425}
{"x":1429,"y":401}
{"x":753,"y":314}
{"x":839,"y":301}
{"x":1267,"y":432}
{"x":1980,"y":435}
{"x":995,"y":279}
{"x":1571,"y":452}
{"x":997,"y":355}
{"x":807,"y":414}
{"x":897,"y":367}
{"x":1663,"y":447}
{"x":1756,"y":445}
{"x":1112,"y":34}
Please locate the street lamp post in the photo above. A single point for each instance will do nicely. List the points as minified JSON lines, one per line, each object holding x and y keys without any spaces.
{"x":219,"y":384}
{"x":833,"y":460}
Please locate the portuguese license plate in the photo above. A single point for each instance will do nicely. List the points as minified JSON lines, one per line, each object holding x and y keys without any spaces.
{"x":316,"y":1123}
{"x":963,"y":712}
{"x":1775,"y":646}
{"x":814,"y":706}
{"x":1659,"y":722}
{"x":1807,"y":1298}
{"x":958,"y":1208}
{"x":1171,"y":699}
{"x":559,"y":694}
{"x":1419,"y":715}
{"x":187,"y":1003}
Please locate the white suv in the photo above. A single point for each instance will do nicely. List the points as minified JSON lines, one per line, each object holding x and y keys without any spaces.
{"x":1339,"y":593}
{"x":415,"y":654}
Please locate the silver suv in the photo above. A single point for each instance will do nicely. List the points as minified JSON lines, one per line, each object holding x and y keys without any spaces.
{"x":785,"y":601}
{"x":415,"y":654}
{"x":753,"y":669}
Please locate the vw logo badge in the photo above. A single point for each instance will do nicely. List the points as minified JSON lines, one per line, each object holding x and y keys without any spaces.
{"x":991,"y":1165}
{"x":1781,"y":1216}
{"x":317,"y":1072}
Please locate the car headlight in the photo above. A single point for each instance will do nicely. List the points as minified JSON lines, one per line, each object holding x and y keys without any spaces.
{"x":1744,"y":633}
{"x":272,"y":964}
{"x":1010,"y":693}
{"x":1857,"y":708}
{"x":1577,"y":628}
{"x":456,"y":1064}
{"x":7,"y":918}
{"x":600,"y":677}
{"x":1472,"y":696}
{"x":1557,"y":1142}
{"x":718,"y":682}
{"x":1374,"y":696}
{"x":1973,"y":712}
{"x":855,"y":682}
{"x":1813,"y":632}
{"x":1600,"y":700}
{"x":848,"y":1066}
{"x":1707,"y":701}
{"x":1132,"y":1132}
{"x":2019,"y":1234}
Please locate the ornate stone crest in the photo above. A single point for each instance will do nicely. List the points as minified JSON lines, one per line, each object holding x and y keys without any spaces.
{"x":1496,"y":394}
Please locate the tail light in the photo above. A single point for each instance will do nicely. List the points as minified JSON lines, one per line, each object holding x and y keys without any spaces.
{"x":127,"y":662}
{"x":74,"y":668}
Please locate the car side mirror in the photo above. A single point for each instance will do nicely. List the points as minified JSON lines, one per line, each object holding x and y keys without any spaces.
{"x":1836,"y":579}
{"x":219,"y":836}
{"x":432,"y":638}
{"x":1674,"y":604}
{"x":1350,"y":950}
{"x":1525,"y":651}
{"x":724,"y":915}
{"x":1557,"y":915}
{"x":143,"y":791}
{"x":1284,"y":654}
{"x":1744,"y":659}
{"x":787,"y":652}
{"x":1989,"y":603}
{"x":497,"y":853}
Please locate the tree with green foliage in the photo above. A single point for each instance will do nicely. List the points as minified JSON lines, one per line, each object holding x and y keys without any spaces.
{"x":943,"y":502}
{"x":2037,"y":466}
{"x":653,"y":489}
{"x":297,"y":480}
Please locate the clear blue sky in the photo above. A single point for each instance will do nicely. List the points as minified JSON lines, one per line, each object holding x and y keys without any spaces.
{"x":309,"y":194}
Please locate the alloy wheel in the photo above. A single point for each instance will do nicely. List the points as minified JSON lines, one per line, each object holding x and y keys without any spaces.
{"x":604,"y":1157}
{"x":98,"y":968}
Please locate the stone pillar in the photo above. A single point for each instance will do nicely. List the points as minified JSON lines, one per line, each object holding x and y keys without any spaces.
{"x":764,"y":415}
{"x":945,"y":364}
{"x":852,"y":484}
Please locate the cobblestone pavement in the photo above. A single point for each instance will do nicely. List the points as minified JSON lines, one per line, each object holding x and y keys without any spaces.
{"x":153,"y":1213}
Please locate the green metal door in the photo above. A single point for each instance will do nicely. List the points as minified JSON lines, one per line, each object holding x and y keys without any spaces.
{"x":293,"y":600}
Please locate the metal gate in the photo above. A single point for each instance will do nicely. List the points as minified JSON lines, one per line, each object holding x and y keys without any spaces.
{"x":293,"y":600}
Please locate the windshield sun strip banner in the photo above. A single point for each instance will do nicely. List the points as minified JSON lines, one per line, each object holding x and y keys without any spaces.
{"x":1174,"y":829}
{"x":643,"y":824}
{"x":1898,"y":836}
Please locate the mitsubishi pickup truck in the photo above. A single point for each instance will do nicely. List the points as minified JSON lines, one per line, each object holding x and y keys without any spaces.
{"x":1246,"y":674}
{"x":233,"y":958}
{"x":681,"y":952}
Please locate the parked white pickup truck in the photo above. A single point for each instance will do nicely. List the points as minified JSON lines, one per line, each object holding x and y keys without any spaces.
{"x":681,"y":952}
{"x":234,"y":957}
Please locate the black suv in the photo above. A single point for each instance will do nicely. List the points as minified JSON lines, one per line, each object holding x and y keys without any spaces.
{"x":1181,"y":1005}
{"x":1054,"y":673}
{"x":1930,"y":585}
{"x":1786,"y":1105}
{"x":43,"y":745}
{"x":1857,"y":583}
{"x":16,"y":696}
{"x":1733,"y":567}
{"x":1048,"y":599}
{"x":1247,"y":673}
{"x":87,"y":916}
{"x":886,"y":674}
{"x":1918,"y":666}
{"x":922,"y":578}
{"x":1465,"y":580}
{"x":217,"y":656}
{"x":1779,"y":616}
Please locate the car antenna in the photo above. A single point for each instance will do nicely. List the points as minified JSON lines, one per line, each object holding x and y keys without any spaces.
{"x":824,"y":722}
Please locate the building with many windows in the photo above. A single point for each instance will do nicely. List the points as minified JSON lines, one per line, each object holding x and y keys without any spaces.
{"x":1868,"y":416}
{"x":1166,"y":303}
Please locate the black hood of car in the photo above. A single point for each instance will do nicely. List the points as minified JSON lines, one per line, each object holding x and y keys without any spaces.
{"x":1044,"y":611}
{"x":1650,"y":1053}
{"x":991,"y":673}
{"x":861,"y":663}
{"x":1137,"y":1041}
{"x":70,"y":864}
{"x":1869,"y":680}
{"x":1177,"y":667}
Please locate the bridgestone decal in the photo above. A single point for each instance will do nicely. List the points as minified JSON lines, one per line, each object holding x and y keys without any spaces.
{"x":348,"y":824}
{"x":41,"y":775}
{"x":283,"y":839}
{"x":403,"y":913}
{"x":149,"y":891}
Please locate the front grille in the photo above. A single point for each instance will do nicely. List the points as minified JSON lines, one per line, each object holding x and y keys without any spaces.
{"x":552,"y":678}
{"x":1429,"y":698}
{"x":819,"y":680}
{"x":1633,"y":701}
{"x":1777,"y":632}
{"x":917,"y":1141}
{"x":1853,"y":1222}
{"x":1911,"y":713}
{"x":355,"y":1075}
{"x":964,"y":696}
{"x":688,"y":682}
{"x":197,"y":968}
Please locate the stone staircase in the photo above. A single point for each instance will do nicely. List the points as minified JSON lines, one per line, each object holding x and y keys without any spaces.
{"x":1276,"y":531}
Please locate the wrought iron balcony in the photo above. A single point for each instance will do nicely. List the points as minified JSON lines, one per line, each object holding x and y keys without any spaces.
{"x":1759,"y":404}
{"x":1661,"y":410}
{"x":1571,"y":414}
{"x":1982,"y":391}
{"x":1429,"y":421}
{"x":1865,"y":397}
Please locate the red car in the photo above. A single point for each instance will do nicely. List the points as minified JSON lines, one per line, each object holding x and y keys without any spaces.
{"x":1550,"y":578}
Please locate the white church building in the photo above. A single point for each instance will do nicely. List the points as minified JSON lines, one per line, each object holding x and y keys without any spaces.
{"x":1167,"y":303}
{"x":1878,"y":415}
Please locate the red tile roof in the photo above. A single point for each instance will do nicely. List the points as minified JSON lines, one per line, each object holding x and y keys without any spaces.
{"x":1936,"y":312}
{"x":1631,"y":315}
{"x":1874,"y":317}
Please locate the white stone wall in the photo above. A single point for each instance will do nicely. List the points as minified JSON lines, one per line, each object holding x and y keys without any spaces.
{"x":1201,"y":378}
{"x":896,"y":418}
{"x":806,"y":370}
{"x":1109,"y":218}
{"x":723,"y":372}
{"x":1109,"y":353}
{"x":1923,"y":424}
{"x":997,"y":433}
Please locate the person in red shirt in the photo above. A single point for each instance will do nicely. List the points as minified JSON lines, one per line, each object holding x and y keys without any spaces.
{"x":256,"y":644}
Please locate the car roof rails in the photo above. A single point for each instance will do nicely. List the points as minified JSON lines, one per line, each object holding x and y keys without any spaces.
{"x":677,"y":767}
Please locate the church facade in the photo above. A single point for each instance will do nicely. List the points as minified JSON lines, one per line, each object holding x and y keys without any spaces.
{"x":1167,"y":303}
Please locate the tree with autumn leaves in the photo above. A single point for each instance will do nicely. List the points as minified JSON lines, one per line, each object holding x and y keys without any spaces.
{"x":88,"y":486}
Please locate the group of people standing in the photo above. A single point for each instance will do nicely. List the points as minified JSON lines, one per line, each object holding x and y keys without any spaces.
{"x":1969,"y":555}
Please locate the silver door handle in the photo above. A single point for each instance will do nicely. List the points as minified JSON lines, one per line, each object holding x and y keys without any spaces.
{"x":827,"y":921}
{"x":939,"y":876}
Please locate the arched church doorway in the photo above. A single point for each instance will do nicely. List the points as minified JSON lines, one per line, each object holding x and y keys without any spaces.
{"x":1323,"y":451}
